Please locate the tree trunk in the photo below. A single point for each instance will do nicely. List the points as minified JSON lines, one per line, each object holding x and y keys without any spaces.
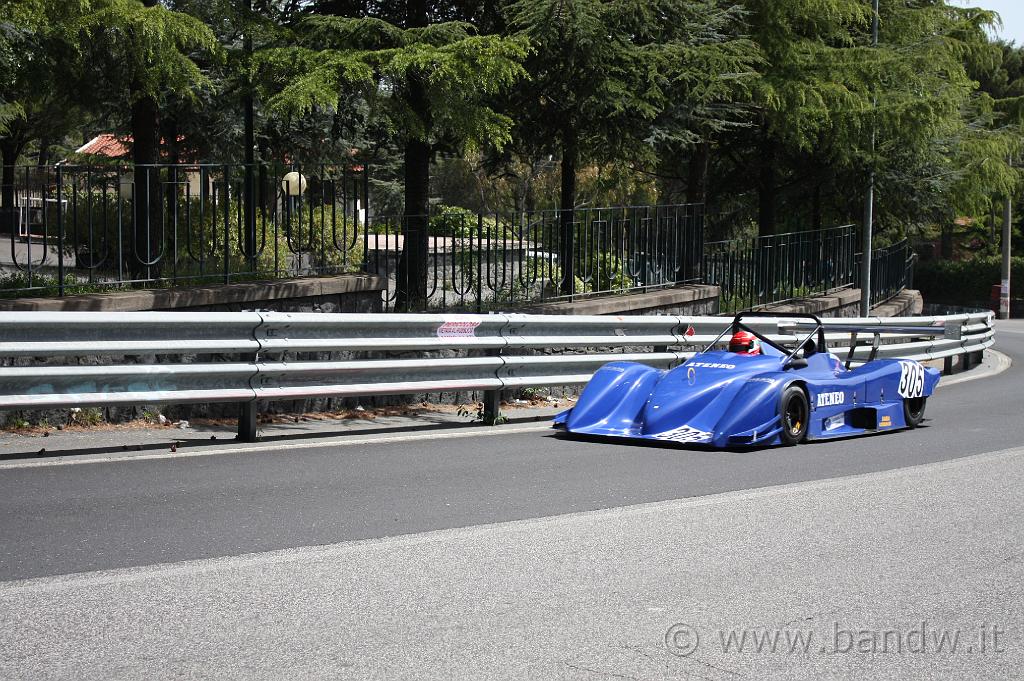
{"x":146,"y":230}
{"x":691,"y":239}
{"x":412,"y":265}
{"x":946,"y":243}
{"x":10,"y":150}
{"x":697,"y":173}
{"x":816,"y":217}
{"x":43,"y":158}
{"x":766,"y":190}
{"x":567,"y":214}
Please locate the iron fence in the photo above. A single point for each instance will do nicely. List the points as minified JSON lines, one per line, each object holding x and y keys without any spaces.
{"x":892,"y":270}
{"x":71,"y":229}
{"x":780,"y":267}
{"x":479,"y":262}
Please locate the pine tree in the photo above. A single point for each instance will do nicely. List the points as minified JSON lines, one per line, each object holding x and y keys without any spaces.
{"x":616,"y":79}
{"x":143,"y":49}
{"x":426,"y":83}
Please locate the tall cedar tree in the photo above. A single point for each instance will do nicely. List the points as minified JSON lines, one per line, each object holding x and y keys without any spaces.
{"x":424,"y":82}
{"x":144,"y":48}
{"x":613,"y":79}
{"x":822,"y":93}
{"x":39,"y":85}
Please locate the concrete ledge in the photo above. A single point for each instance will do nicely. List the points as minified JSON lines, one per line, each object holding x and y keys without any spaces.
{"x":204,"y":296}
{"x":823,"y":304}
{"x":846,"y":303}
{"x":665,"y":300}
{"x":906,"y":304}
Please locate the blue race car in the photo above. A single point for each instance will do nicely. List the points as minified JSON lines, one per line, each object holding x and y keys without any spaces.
{"x":757,"y":393}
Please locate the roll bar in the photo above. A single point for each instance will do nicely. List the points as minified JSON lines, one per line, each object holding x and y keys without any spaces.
{"x":737,"y":324}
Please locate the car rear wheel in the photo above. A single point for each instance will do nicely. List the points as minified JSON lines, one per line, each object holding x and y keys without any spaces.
{"x":913,"y":411}
{"x":795,"y":414}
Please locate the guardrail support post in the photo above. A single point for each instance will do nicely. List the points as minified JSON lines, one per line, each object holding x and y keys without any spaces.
{"x":947,"y":366}
{"x":247,"y":422}
{"x":492,"y":407}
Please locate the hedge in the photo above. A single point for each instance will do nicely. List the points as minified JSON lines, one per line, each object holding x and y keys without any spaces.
{"x":966,"y":282}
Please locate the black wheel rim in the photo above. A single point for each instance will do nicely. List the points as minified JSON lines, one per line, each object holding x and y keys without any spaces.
{"x":796,"y":417}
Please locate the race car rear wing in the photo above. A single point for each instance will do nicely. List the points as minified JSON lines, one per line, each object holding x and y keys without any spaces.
{"x":952,"y":332}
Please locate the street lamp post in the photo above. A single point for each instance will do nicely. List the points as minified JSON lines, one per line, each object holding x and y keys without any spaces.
{"x":869,"y":204}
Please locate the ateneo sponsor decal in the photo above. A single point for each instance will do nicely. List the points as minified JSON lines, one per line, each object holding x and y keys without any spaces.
{"x":712,"y":365}
{"x":831,"y":399}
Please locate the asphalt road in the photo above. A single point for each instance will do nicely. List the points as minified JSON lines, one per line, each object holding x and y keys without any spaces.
{"x":75,"y":518}
{"x":528,"y":556}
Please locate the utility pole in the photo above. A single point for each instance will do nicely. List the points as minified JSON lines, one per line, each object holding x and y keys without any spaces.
{"x":869,"y":204}
{"x":1004,"y":289}
{"x":249,"y":191}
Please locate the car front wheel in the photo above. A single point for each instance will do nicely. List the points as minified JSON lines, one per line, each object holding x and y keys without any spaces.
{"x":913,"y":411}
{"x":795,"y":414}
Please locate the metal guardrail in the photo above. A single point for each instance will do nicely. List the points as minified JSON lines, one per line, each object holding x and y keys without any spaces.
{"x":77,"y":359}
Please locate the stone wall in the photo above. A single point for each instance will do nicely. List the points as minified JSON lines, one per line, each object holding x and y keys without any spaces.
{"x":693,"y":300}
{"x":846,"y":303}
{"x":342,"y":293}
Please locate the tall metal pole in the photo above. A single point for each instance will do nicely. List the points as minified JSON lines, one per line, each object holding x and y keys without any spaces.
{"x":869,"y":203}
{"x":1004,"y":289}
{"x":250,"y":150}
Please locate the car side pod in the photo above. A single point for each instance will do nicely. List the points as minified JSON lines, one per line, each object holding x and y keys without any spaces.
{"x":613,"y":399}
{"x":753,"y":417}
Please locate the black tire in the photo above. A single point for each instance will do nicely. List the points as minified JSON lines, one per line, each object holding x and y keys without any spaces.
{"x":796,"y":415}
{"x":913,"y":411}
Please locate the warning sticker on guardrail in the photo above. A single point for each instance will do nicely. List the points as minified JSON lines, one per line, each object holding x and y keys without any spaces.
{"x":465,"y":329}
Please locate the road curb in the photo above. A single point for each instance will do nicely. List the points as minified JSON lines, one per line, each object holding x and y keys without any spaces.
{"x":999,"y":364}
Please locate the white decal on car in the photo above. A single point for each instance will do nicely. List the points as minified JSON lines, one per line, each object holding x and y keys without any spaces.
{"x":911,"y":379}
{"x":833,"y":422}
{"x":831,"y":399}
{"x":685,"y":434}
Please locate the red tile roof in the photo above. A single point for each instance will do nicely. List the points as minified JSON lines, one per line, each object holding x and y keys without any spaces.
{"x":106,"y":145}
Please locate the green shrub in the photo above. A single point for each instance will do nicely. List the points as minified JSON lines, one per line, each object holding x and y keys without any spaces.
{"x":461,"y":223}
{"x":964,"y":282}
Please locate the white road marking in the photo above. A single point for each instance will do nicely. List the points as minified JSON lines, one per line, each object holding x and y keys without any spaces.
{"x":327,"y":551}
{"x":276,"y":447}
{"x":1002,"y":363}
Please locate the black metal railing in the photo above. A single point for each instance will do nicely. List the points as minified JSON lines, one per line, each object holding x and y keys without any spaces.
{"x":69,"y":229}
{"x":72,"y":229}
{"x":781,"y":267}
{"x":892,"y":270}
{"x":479,"y":262}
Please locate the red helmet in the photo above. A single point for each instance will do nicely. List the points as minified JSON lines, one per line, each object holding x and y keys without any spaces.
{"x":745,"y":343}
